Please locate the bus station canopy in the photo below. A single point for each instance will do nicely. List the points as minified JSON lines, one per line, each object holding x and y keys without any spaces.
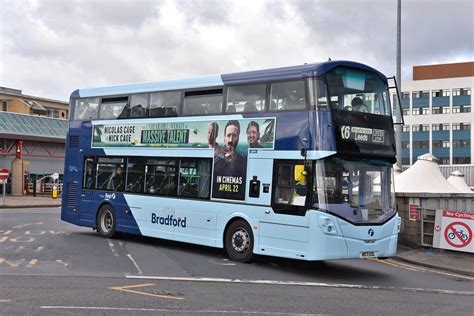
{"x":424,"y":176}
{"x":30,"y":127}
{"x":457,"y":180}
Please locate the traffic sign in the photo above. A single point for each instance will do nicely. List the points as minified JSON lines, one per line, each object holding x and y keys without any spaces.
{"x":3,"y":174}
{"x":453,"y":230}
{"x":458,"y":234}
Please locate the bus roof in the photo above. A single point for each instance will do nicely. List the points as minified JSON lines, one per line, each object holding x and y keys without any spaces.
{"x":256,"y":76}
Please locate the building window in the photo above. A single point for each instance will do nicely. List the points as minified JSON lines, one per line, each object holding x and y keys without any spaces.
{"x":456,"y":109}
{"x":425,"y":128}
{"x":456,"y":127}
{"x":4,"y":106}
{"x":406,"y":128}
{"x":465,"y":109}
{"x":406,"y":112}
{"x":437,"y":144}
{"x":437,"y":110}
{"x":463,"y":91}
{"x":435,"y":127}
{"x":443,"y":160}
{"x":446,"y":144}
{"x":405,"y":144}
{"x":446,"y":110}
{"x":415,"y":111}
{"x":465,"y":126}
{"x":425,"y":111}
{"x":445,"y":127}
{"x":461,"y":143}
{"x":405,"y":95}
{"x":421,"y":144}
{"x":461,"y":160}
{"x":415,"y":128}
{"x":52,"y":112}
{"x":441,"y":93}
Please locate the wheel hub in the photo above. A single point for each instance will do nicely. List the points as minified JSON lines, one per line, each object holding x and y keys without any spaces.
{"x":240,"y":240}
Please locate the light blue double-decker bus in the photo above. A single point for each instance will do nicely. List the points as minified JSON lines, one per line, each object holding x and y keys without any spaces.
{"x":291,"y":162}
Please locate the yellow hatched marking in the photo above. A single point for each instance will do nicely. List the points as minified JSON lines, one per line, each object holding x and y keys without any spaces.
{"x":32,"y":263}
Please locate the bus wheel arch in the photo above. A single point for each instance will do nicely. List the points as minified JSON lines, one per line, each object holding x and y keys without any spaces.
{"x":106,"y":221}
{"x":239,"y":240}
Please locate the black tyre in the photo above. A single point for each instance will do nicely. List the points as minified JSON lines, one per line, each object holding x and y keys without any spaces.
{"x":239,"y":241}
{"x":106,"y":221}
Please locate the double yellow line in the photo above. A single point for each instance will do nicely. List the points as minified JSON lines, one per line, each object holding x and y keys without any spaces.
{"x":415,"y":268}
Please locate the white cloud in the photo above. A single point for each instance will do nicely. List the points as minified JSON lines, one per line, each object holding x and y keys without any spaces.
{"x":51,"y":47}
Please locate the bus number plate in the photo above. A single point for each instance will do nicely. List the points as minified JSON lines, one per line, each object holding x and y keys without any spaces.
{"x":367,"y":254}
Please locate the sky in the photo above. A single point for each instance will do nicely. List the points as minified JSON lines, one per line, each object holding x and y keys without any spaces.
{"x":49,"y":48}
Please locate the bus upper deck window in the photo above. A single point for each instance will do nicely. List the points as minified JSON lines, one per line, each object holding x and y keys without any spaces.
{"x":114,"y":108}
{"x":164,"y":104}
{"x":86,"y":109}
{"x":247,"y":98}
{"x":287,"y":96}
{"x":139,"y":105}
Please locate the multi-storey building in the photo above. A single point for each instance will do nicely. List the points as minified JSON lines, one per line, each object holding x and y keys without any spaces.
{"x":32,"y":137}
{"x":438,"y":119}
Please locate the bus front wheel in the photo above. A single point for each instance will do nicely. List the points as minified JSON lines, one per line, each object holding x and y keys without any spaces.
{"x":106,"y":221}
{"x":239,"y":241}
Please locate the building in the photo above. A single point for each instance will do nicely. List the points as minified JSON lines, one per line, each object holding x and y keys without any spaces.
{"x":32,"y":137}
{"x":436,"y":106}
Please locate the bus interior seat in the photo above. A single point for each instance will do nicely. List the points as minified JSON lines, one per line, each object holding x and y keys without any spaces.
{"x":250,"y":107}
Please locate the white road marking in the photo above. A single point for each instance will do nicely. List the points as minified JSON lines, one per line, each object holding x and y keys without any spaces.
{"x":134,"y":263}
{"x":225,"y":262}
{"x":130,"y":257}
{"x":177,"y":311}
{"x":296,"y":283}
{"x":112,"y":247}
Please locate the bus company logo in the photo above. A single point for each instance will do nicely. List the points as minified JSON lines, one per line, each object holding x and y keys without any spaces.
{"x":168,"y":221}
{"x":73,"y":169}
{"x":109,"y":196}
{"x":371,"y":232}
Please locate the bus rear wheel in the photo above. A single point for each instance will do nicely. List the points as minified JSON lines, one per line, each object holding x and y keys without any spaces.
{"x":239,"y":241}
{"x":106,"y":221}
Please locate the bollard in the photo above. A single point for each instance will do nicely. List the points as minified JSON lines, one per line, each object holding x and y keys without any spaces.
{"x":55,"y":192}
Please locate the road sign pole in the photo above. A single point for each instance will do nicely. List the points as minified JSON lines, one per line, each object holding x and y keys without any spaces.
{"x":4,"y":185}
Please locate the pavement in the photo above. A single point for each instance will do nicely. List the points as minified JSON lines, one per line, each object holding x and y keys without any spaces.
{"x":440,"y":259}
{"x":29,"y":201}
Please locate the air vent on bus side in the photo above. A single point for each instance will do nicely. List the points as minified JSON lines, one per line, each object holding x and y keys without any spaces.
{"x":71,"y":194}
{"x":73,"y":141}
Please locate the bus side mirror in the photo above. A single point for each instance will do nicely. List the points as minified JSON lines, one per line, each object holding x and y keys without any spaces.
{"x":299,"y":174}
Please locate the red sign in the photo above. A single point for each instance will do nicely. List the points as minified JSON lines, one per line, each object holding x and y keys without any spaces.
{"x":460,"y":215}
{"x":3,"y":174}
{"x":458,"y":234}
{"x":414,"y":213}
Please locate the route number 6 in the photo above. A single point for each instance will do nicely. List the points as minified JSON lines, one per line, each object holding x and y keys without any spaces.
{"x":345,"y":132}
